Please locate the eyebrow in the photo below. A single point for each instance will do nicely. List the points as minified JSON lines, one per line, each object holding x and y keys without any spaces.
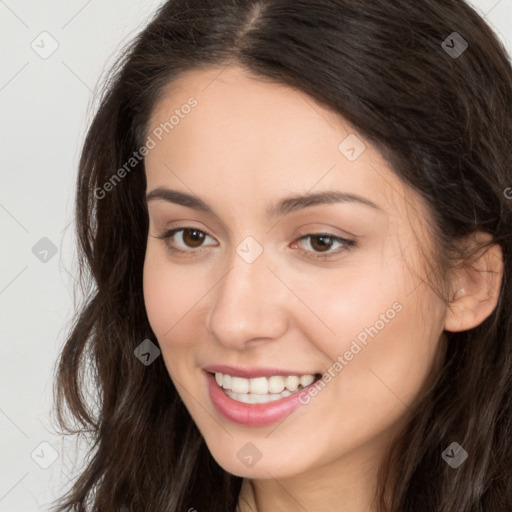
{"x":282,"y":207}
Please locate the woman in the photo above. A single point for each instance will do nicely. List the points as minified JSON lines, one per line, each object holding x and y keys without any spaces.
{"x":297,"y":221}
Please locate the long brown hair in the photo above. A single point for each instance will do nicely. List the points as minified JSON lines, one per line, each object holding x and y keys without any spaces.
{"x":443,"y":121}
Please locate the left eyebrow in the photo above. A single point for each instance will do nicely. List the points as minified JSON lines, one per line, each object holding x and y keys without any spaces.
{"x":282,"y":207}
{"x":294,"y":203}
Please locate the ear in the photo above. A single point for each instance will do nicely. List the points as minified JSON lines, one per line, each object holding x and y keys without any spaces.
{"x":475,"y":285}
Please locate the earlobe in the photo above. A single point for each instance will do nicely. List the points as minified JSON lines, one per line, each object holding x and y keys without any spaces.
{"x":476,"y":288}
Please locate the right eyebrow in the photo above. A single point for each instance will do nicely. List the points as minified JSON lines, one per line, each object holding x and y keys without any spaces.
{"x":176,"y":197}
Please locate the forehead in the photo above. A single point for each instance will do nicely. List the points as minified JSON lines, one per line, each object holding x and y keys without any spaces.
{"x":241,"y":112}
{"x":262,"y":137}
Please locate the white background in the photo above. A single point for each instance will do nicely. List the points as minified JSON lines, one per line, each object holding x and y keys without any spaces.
{"x":46,"y":105}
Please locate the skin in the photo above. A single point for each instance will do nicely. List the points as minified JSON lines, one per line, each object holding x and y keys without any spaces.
{"x":247,"y":144}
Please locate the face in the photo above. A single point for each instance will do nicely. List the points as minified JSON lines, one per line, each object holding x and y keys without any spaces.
{"x":262,"y":293}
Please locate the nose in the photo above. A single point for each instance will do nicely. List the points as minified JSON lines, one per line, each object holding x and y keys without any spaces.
{"x":249,"y":305}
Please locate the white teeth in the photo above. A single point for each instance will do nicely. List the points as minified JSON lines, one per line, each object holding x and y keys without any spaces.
{"x":306,"y":380}
{"x":292,"y":382}
{"x":226,"y":381}
{"x":276,"y":384}
{"x":262,"y":389}
{"x":239,"y":385}
{"x":258,"y":386}
{"x":248,"y":398}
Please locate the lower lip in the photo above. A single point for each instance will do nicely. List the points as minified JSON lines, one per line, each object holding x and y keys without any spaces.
{"x":254,"y":415}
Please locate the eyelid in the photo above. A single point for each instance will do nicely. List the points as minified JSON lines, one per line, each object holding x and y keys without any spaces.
{"x":347,"y":245}
{"x":169,"y":233}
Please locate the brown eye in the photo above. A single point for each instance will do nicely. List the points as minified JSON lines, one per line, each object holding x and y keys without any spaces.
{"x":321,"y":243}
{"x":193,"y":237}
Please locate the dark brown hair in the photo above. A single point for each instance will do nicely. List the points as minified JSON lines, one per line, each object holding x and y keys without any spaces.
{"x":443,"y":122}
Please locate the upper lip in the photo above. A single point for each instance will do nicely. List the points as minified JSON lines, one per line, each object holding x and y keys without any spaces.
{"x":250,"y":373}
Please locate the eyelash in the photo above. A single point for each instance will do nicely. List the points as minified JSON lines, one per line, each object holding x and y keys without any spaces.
{"x":347,"y":244}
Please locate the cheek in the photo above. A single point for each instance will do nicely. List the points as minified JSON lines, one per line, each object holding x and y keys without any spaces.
{"x":379,"y":325}
{"x":175,"y":296}
{"x":168,"y":295}
{"x":378,"y":359}
{"x":158,"y":295}
{"x":346,"y":303}
{"x":167,"y":299}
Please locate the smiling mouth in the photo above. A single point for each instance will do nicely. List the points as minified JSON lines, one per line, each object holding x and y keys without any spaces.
{"x":261,"y":390}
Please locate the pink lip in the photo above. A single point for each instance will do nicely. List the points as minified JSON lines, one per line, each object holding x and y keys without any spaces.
{"x":254,"y":415}
{"x":250,"y":373}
